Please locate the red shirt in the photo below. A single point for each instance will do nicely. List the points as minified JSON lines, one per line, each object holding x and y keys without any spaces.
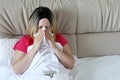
{"x":26,"y":41}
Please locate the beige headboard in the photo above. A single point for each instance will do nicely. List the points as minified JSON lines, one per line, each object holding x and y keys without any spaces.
{"x":90,"y":26}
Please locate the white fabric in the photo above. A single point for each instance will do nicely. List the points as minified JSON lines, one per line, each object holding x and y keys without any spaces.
{"x":6,"y":48}
{"x":100,"y":68}
{"x":6,"y":71}
{"x":44,"y":61}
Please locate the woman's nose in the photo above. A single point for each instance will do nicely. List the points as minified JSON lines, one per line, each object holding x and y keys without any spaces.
{"x":43,"y":28}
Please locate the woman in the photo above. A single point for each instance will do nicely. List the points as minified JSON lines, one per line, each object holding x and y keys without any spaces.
{"x":41,"y":18}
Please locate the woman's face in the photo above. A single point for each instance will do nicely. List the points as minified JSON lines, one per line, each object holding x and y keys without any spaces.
{"x":44,"y":24}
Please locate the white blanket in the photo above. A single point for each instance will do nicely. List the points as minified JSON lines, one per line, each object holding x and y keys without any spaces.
{"x":101,"y":68}
{"x":45,"y":66}
{"x":6,"y":71}
{"x":44,"y":62}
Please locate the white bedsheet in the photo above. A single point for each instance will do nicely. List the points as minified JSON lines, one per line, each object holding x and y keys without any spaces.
{"x":6,"y":70}
{"x":45,"y":61}
{"x":100,"y":68}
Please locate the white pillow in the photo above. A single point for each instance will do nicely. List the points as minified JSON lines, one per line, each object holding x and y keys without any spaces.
{"x":6,"y":48}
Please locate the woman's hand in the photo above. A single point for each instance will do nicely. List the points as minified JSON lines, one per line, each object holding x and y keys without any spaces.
{"x":65,"y":56}
{"x":51,"y":39}
{"x":38,"y":39}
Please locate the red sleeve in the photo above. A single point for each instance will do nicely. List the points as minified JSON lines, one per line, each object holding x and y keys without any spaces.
{"x":61,"y":39}
{"x":23,"y":43}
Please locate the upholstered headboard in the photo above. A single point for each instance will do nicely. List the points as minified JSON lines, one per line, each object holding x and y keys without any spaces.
{"x":90,"y":26}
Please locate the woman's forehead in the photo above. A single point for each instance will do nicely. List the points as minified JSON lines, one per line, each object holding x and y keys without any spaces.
{"x":44,"y":22}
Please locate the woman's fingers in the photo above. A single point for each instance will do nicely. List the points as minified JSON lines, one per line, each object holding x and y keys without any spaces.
{"x":50,"y":39}
{"x":39,"y":35}
{"x":49,"y":36}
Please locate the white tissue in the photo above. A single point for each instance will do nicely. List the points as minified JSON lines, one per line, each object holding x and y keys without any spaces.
{"x":44,"y":42}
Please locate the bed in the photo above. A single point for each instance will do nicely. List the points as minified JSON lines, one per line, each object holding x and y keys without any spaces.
{"x":87,"y":68}
{"x":91,"y":27}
